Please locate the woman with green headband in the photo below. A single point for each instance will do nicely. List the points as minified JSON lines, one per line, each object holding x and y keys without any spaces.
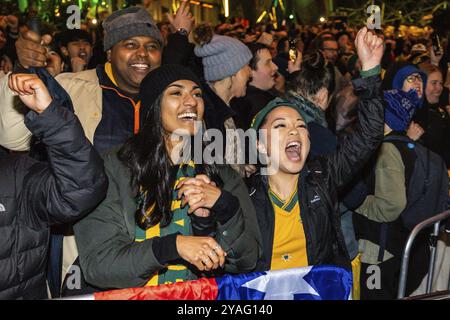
{"x":296,"y":202}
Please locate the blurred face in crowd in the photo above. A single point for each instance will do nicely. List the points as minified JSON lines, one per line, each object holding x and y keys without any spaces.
{"x":165,"y":32}
{"x":80,"y":48}
{"x":291,"y":143}
{"x":330,"y":51}
{"x":181,"y":106}
{"x":414,"y":82}
{"x":315,"y":29}
{"x":132,"y":59}
{"x":240,"y":81}
{"x":280,"y":83}
{"x":344,"y":43}
{"x":273,"y":48}
{"x":55,"y":63}
{"x":264,"y":75}
{"x":434,"y":87}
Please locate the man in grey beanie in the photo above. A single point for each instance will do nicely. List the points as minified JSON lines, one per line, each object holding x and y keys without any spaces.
{"x":133,"y":45}
{"x":106,"y":99}
{"x":226,"y":70}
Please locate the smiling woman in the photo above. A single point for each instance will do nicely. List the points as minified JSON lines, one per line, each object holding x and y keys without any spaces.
{"x":167,"y":219}
{"x":296,"y":202}
{"x":183,"y":106}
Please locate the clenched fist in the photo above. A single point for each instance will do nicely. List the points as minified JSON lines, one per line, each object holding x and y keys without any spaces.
{"x":370,"y":49}
{"x":31,"y":90}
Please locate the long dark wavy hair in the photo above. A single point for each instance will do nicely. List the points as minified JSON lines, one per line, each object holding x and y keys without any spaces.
{"x":152,"y":173}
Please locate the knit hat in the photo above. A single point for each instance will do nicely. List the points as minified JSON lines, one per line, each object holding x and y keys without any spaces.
{"x":275,"y":103}
{"x":405,"y":72}
{"x":222,"y":57}
{"x":156,"y":81}
{"x":127,"y":23}
{"x":400,"y":108}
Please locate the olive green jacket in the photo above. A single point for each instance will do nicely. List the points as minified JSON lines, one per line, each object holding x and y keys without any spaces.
{"x":110,"y":257}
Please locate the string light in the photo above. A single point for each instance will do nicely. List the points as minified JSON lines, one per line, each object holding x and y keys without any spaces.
{"x":261,"y":16}
{"x":226,"y":5}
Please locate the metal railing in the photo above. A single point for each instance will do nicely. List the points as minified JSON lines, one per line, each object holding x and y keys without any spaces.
{"x":436,"y":220}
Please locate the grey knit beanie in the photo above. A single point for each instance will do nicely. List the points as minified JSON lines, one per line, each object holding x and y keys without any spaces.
{"x":223,"y":57}
{"x":127,"y":23}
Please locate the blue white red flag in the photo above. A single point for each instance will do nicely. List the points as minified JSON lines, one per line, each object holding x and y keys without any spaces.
{"x":309,"y":283}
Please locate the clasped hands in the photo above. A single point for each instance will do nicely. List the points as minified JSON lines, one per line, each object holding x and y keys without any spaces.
{"x":200,"y":193}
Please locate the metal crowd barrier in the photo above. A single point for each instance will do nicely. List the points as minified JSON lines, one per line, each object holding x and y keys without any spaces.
{"x":436,"y":220}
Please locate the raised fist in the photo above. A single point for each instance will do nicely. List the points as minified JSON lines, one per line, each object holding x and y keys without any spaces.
{"x":31,"y":90}
{"x":370,"y":49}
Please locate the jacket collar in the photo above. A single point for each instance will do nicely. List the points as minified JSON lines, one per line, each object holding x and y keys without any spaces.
{"x":259,"y":184}
{"x":312,"y":112}
{"x":254,"y":90}
{"x":107,"y":81}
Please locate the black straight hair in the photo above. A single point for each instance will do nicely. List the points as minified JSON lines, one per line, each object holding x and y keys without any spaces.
{"x":152,"y":173}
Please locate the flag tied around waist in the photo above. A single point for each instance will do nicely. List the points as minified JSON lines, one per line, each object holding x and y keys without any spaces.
{"x":310,"y":283}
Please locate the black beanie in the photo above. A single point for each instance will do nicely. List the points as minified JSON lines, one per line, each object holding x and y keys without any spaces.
{"x":156,"y":81}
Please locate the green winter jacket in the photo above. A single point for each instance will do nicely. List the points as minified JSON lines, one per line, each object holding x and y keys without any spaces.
{"x":109,"y":256}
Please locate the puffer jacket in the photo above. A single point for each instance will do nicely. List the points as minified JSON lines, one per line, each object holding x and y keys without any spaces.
{"x":319,"y":183}
{"x":36,"y":195}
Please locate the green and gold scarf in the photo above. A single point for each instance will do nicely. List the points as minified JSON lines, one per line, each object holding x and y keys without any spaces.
{"x":180,"y":223}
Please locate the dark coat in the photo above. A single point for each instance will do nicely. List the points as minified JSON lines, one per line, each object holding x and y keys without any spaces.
{"x":35,"y":195}
{"x":435,"y":121}
{"x":319,"y":183}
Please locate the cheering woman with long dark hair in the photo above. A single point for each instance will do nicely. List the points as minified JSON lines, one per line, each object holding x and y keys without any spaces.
{"x":165,"y":218}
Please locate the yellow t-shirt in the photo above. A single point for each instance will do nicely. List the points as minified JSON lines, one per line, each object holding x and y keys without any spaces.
{"x":289,"y":242}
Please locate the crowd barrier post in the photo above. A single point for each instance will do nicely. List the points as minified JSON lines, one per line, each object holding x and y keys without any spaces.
{"x":407,"y":250}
